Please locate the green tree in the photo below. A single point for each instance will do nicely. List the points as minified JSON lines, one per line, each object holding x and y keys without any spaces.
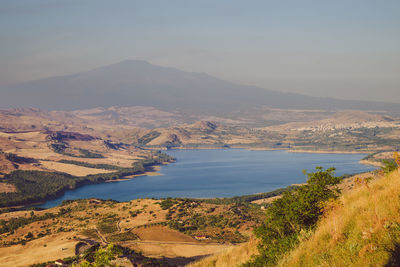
{"x":389,"y":166}
{"x":103,"y":257}
{"x":296,"y":210}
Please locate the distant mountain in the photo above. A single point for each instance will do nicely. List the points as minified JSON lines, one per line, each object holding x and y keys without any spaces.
{"x":139,"y":83}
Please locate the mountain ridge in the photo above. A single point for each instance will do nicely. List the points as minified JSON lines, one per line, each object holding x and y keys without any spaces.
{"x":139,"y":83}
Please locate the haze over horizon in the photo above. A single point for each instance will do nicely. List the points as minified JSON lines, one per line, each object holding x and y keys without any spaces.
{"x":341,"y":49}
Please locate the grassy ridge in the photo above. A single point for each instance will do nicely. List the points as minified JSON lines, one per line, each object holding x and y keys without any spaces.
{"x":231,"y":257}
{"x":362,"y":230}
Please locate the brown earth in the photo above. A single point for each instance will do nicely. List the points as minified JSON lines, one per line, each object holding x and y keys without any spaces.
{"x":160,"y":233}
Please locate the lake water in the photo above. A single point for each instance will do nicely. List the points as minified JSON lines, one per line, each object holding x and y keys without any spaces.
{"x":219,"y":173}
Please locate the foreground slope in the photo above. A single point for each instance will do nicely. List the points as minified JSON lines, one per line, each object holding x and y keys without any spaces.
{"x":361,"y":228}
{"x":363,"y":231}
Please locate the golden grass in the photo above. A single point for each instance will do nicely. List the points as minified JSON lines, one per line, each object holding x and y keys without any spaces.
{"x":363,"y":231}
{"x":7,"y":188}
{"x":71,"y":168}
{"x":230,"y":257}
{"x":48,"y":248}
{"x":176,"y":249}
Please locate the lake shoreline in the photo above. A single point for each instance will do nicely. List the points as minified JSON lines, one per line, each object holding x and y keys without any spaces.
{"x":153,"y":172}
{"x":156,"y":172}
{"x":312,"y":151}
{"x":362,"y":161}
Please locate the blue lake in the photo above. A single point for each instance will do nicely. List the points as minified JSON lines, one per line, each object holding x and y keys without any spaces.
{"x":219,"y":173}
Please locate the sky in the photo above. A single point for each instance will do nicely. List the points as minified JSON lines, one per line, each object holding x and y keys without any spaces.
{"x":347,"y":49}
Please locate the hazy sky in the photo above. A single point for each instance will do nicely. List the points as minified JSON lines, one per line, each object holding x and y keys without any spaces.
{"x":340,"y":48}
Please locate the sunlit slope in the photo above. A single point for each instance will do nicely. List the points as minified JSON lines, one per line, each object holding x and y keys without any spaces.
{"x":362,"y":230}
{"x":231,"y":257}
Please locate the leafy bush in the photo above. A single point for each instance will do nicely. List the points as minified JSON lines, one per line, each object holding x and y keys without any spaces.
{"x":88,"y":154}
{"x":297,"y":210}
{"x":135,"y":213}
{"x":389,"y":166}
{"x":167,"y":203}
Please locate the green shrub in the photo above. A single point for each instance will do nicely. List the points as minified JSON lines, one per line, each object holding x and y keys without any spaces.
{"x":297,"y":210}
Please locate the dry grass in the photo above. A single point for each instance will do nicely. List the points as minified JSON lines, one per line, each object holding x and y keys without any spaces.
{"x":266,"y":200}
{"x":40,"y":250}
{"x":363,"y":231}
{"x":230,"y":257}
{"x":71,"y":168}
{"x":162,"y":233}
{"x":7,"y":188}
{"x":177,"y":249}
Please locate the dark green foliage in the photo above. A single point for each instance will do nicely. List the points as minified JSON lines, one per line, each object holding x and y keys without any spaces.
{"x":148,"y":137}
{"x":157,"y":158}
{"x":297,"y":210}
{"x":249,"y":198}
{"x":35,"y":186}
{"x":88,"y":154}
{"x":91,"y":165}
{"x":15,"y":223}
{"x":167,"y":203}
{"x":59,"y":147}
{"x":29,"y":235}
{"x":107,"y":225}
{"x":389,"y":166}
{"x":19,"y":160}
{"x":184,"y":216}
{"x":200,"y":223}
{"x":122,"y":237}
{"x":91,"y":233}
{"x":114,"y":146}
{"x":135,"y":213}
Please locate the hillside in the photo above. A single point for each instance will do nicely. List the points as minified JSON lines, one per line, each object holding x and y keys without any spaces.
{"x":360,"y":229}
{"x":139,"y":83}
{"x":176,"y":231}
{"x":343,"y":131}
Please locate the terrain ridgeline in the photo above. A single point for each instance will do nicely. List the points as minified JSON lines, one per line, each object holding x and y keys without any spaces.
{"x":139,"y":83}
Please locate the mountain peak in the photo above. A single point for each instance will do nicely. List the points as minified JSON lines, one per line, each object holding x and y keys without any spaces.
{"x":128,"y":62}
{"x":140,"y":83}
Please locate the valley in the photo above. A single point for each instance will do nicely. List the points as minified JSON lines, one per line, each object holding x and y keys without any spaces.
{"x":45,"y":153}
